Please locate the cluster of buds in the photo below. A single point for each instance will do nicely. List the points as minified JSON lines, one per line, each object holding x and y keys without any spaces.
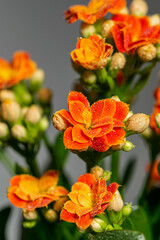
{"x":24,"y":109}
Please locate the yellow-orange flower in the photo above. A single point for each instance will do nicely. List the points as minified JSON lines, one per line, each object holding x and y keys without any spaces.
{"x":92,"y":53}
{"x":29,"y":192}
{"x":99,"y":126}
{"x":153,"y":124}
{"x":95,"y":10}
{"x":131,"y":32}
{"x":21,"y":67}
{"x":89,"y":197}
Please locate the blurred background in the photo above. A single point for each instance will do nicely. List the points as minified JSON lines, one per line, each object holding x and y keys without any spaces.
{"x":39,"y":28}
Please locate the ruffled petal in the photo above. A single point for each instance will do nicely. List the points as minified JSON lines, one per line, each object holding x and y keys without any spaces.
{"x":77,"y":96}
{"x":100,"y":144}
{"x":67,"y":216}
{"x":16,"y":201}
{"x":105,"y":130}
{"x":85,"y":199}
{"x":48,"y":180}
{"x":122,"y":110}
{"x":76,"y":109}
{"x":116,"y":136}
{"x":78,"y":134}
{"x":84,"y":221}
{"x":112,"y":187}
{"x":67,"y":116}
{"x":102,"y":109}
{"x":70,"y":144}
{"x":70,"y":207}
{"x":83,"y":184}
{"x":38,"y":203}
{"x":87,"y":179}
{"x":91,"y":133}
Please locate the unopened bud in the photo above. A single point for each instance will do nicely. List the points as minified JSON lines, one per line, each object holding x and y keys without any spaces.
{"x":36,"y":80}
{"x":43,"y":124}
{"x":127,"y":210}
{"x":106,"y":28}
{"x":4,"y":131}
{"x":139,"y":8}
{"x":128,"y":146}
{"x":26,"y":98}
{"x":59,"y":122}
{"x":30,"y":215}
{"x":87,"y":29}
{"x":19,"y":132}
{"x":98,"y":225}
{"x":124,"y":10}
{"x":155,"y":20}
{"x":97,"y":171}
{"x":89,"y":77}
{"x":147,"y":52}
{"x":58,"y":205}
{"x":45,"y":95}
{"x":29,"y":224}
{"x":33,"y":115}
{"x":128,"y":116}
{"x":10,"y":110}
{"x":119,"y":146}
{"x":107,"y":175}
{"x":7,"y":94}
{"x":24,"y":110}
{"x":117,"y":203}
{"x":137,"y":123}
{"x":116,"y":98}
{"x":148,"y":133}
{"x":51,"y":215}
{"x":157,"y":119}
{"x":109,"y":227}
{"x":118,"y":61}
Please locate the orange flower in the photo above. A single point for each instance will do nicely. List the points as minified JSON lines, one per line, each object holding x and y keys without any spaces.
{"x":30,"y":192}
{"x":95,"y":10}
{"x":155,"y":175}
{"x":153,"y":124}
{"x":21,"y":67}
{"x":99,"y":126}
{"x":131,"y":32}
{"x":89,"y":197}
{"x":92,"y":53}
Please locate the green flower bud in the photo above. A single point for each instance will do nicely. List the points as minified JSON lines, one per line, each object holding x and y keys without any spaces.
{"x":89,"y":77}
{"x":98,"y":225}
{"x":128,"y":146}
{"x":29,"y":224}
{"x":126,"y":210}
{"x":37,"y":80}
{"x":26,"y":98}
{"x":4,"y":131}
{"x":43,"y":124}
{"x":107,"y":175}
{"x":109,"y":228}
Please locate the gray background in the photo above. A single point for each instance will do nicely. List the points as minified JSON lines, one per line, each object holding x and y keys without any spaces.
{"x":39,"y":28}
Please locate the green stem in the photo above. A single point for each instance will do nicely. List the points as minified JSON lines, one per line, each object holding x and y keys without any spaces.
{"x":115,"y":167}
{"x":32,"y":163}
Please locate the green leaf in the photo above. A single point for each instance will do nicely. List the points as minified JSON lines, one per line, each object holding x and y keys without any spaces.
{"x":4,"y":214}
{"x":138,"y":220}
{"x":118,"y":235}
{"x":60,"y":153}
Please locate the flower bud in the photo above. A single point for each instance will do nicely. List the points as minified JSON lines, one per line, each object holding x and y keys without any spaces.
{"x":43,"y":124}
{"x":29,"y":215}
{"x":158,"y":51}
{"x":36,"y":80}
{"x":26,"y":98}
{"x":147,"y":52}
{"x":59,"y":122}
{"x":124,"y":10}
{"x":10,"y":110}
{"x":137,"y":123}
{"x":24,"y":110}
{"x":128,"y":146}
{"x":33,"y":115}
{"x":87,"y":29}
{"x":19,"y":132}
{"x":45,"y":95}
{"x":29,"y":224}
{"x":117,"y":203}
{"x":126,"y":210}
{"x":51,"y":215}
{"x":119,"y":146}
{"x":89,"y":77}
{"x":107,"y":175}
{"x":118,"y":61}
{"x":97,"y":171}
{"x":157,"y":119}
{"x":58,"y":205}
{"x":128,"y":116}
{"x":106,"y":28}
{"x":116,"y":98}
{"x":98,"y":225}
{"x":109,"y":228}
{"x":148,"y":133}
{"x":7,"y":94}
{"x":154,"y":19}
{"x":4,"y":131}
{"x":139,"y":8}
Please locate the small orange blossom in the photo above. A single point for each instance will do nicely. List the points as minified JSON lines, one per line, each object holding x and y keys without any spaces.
{"x":30,"y":192}
{"x":89,"y":197}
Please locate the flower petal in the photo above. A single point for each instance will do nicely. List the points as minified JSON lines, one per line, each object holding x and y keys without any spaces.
{"x":102,"y":109}
{"x":70,"y":144}
{"x":78,"y":134}
{"x":84,"y":221}
{"x":87,"y":179}
{"x":100,"y":144}
{"x":48,"y":180}
{"x":112,"y":187}
{"x":77,"y":96}
{"x":67,"y":116}
{"x":67,"y":216}
{"x":122,"y":110}
{"x":116,"y":136}
{"x":16,"y":201}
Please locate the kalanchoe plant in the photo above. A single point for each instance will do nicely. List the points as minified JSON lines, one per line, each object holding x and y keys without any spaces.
{"x":114,"y":59}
